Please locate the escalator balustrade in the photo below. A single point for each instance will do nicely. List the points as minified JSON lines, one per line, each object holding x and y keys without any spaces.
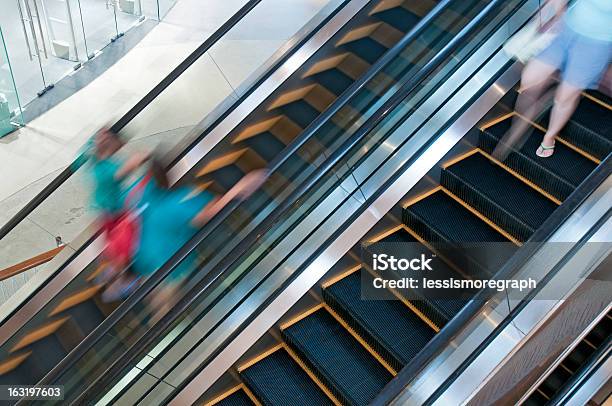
{"x":346,"y":349}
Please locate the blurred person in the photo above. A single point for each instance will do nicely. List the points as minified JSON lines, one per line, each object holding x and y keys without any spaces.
{"x":108,"y":171}
{"x":581,"y":52}
{"x":170,"y":217}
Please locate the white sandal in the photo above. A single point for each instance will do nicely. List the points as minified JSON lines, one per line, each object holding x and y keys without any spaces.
{"x":542,"y":148}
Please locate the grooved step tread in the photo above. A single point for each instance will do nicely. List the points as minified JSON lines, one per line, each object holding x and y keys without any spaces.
{"x":399,"y":17}
{"x":342,"y":363}
{"x":367,"y":49}
{"x":559,"y":174}
{"x":278,"y":380}
{"x":238,"y":398}
{"x":449,"y":220}
{"x":502,"y":197}
{"x":395,"y":332}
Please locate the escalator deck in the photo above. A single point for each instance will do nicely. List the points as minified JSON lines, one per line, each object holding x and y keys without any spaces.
{"x":345,"y":350}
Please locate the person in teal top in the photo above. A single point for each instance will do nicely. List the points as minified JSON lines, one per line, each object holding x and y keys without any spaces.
{"x":169,"y":217}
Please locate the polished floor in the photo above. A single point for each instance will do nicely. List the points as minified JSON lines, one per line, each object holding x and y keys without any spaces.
{"x":34,"y":155}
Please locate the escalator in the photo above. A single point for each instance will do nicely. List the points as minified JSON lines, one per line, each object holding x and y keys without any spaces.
{"x":548,"y":391}
{"x":478,"y":199}
{"x":36,"y":347}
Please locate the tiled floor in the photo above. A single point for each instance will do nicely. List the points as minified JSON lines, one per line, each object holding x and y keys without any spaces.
{"x":31,"y":157}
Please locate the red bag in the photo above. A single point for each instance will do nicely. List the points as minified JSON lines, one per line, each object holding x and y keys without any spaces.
{"x":123,"y":236}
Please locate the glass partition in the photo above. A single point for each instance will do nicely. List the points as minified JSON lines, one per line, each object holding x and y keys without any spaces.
{"x":10,"y":107}
{"x":170,"y":117}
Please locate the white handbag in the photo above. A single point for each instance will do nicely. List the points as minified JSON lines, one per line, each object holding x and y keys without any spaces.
{"x":531,"y":39}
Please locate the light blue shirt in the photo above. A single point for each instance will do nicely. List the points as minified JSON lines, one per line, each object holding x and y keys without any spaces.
{"x":591,"y":18}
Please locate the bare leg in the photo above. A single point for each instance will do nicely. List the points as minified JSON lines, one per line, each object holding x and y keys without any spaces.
{"x":535,"y":79}
{"x":566,"y":101}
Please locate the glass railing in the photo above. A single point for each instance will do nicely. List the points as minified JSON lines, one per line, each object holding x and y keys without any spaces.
{"x":295,"y":189}
{"x":170,"y":113}
{"x":73,"y":275}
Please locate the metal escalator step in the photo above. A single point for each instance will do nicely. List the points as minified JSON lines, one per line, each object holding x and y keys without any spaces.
{"x":536,"y":399}
{"x":578,"y":356}
{"x":266,"y":145}
{"x":300,"y":112}
{"x":334,"y":80}
{"x":558,"y":175}
{"x":600,"y":332}
{"x":238,"y":398}
{"x":399,"y":18}
{"x":500,"y":196}
{"x":388,"y":326}
{"x":439,"y":218}
{"x":438,"y":311}
{"x":278,"y":380}
{"x":351,"y":373}
{"x":367,"y":49}
{"x":555,"y":381}
{"x":590,"y":128}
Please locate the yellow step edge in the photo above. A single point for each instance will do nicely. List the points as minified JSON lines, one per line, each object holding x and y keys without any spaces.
{"x":320,"y":98}
{"x":312,"y":376}
{"x":325,"y":64}
{"x":421,"y":197}
{"x":39,"y":333}
{"x":286,"y":130}
{"x":338,"y":278}
{"x":422,"y":7}
{"x":385,"y":5}
{"x":542,"y":393}
{"x":251,"y":396}
{"x":222,"y":161}
{"x":101,"y":267}
{"x":291,"y":96}
{"x":589,"y":343}
{"x":497,"y":120}
{"x":257,"y":128}
{"x":354,"y":67}
{"x":387,"y":35}
{"x":13,"y":362}
{"x":561,"y":140}
{"x":259,"y":357}
{"x":405,"y":301}
{"x":596,"y":100}
{"x":361,"y":341}
{"x":197,"y":190}
{"x":521,"y":178}
{"x":75,"y":299}
{"x":566,"y":368}
{"x":431,"y":248}
{"x":409,"y":305}
{"x":483,"y":217}
{"x":358,"y":33}
{"x":459,"y":158}
{"x":300,"y":316}
{"x":224,"y":395}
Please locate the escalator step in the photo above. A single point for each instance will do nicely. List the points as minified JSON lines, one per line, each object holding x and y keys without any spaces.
{"x":388,"y":326}
{"x":559,"y":174}
{"x":536,"y":399}
{"x":399,"y":18}
{"x":278,"y":380}
{"x":504,"y":199}
{"x":438,"y":311}
{"x":367,"y":49}
{"x":334,"y":80}
{"x":300,"y":112}
{"x":266,"y":145}
{"x":555,"y":381}
{"x":600,"y":332}
{"x":590,"y":128}
{"x":439,"y":218}
{"x":238,"y":398}
{"x":353,"y":375}
{"x":578,"y":356}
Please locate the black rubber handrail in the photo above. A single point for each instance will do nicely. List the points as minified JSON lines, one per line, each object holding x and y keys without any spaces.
{"x":131,"y":114}
{"x":407,"y":86}
{"x":516,"y":262}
